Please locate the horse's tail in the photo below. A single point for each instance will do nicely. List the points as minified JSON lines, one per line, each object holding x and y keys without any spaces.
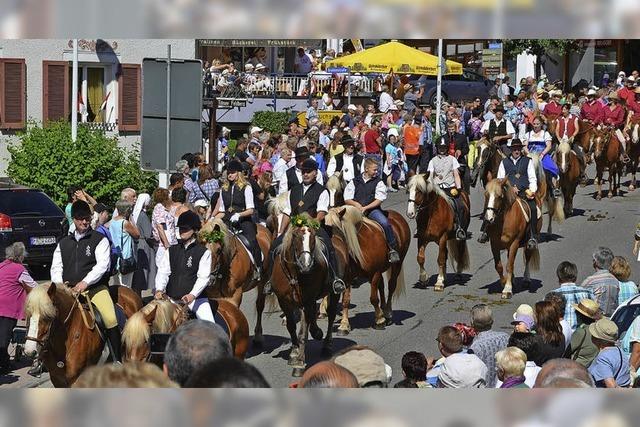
{"x":275,"y":205}
{"x":459,"y":254}
{"x":400,"y":283}
{"x":271,"y":303}
{"x":556,"y":207}
{"x":534,"y":258}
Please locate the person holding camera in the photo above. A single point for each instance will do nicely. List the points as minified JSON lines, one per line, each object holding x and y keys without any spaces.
{"x":123,"y":231}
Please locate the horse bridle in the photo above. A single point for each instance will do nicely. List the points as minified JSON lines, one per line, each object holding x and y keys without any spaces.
{"x":42,"y":342}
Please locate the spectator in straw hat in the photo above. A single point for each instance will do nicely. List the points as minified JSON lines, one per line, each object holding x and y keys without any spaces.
{"x":610,"y":369}
{"x":582,"y":349}
{"x":367,"y":366}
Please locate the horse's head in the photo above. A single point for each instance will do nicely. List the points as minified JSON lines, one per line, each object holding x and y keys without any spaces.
{"x":136,"y":334}
{"x":564,"y":149}
{"x":43,"y":306}
{"x":300,"y":242}
{"x":601,"y":141}
{"x":216,"y":236}
{"x":498,"y":195}
{"x":418,"y":188}
{"x":336,"y":188}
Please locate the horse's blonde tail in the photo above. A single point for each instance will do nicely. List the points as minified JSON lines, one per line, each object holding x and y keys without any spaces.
{"x":400,"y":283}
{"x":557,"y":207}
{"x":271,"y":303}
{"x":534,"y":258}
{"x":459,"y":254}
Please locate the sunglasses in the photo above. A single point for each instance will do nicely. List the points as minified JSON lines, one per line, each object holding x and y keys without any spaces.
{"x":84,"y":218}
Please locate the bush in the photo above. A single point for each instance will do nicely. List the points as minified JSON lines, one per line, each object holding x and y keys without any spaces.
{"x":272,"y":121}
{"x":47,"y":159}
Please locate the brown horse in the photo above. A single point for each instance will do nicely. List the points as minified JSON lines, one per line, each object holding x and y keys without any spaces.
{"x":507,"y":230}
{"x":64,"y":334}
{"x":336,"y":186}
{"x":231,"y":269}
{"x":555,"y":206}
{"x":435,"y":221}
{"x":368,"y":252}
{"x":488,"y":159}
{"x":633,"y":149}
{"x":569,"y":167}
{"x":299,"y":279}
{"x":607,"y":151}
{"x":164,"y":317}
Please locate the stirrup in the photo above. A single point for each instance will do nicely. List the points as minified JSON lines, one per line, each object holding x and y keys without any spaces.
{"x":338,"y":286}
{"x":532,"y":244}
{"x":625,"y":158}
{"x":394,"y":256}
{"x":557,"y":192}
{"x":267,"y":290}
{"x":461,"y":234}
{"x":484,"y":237}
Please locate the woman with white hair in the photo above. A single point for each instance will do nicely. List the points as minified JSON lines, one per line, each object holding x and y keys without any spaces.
{"x":510,"y":366}
{"x":14,"y":279}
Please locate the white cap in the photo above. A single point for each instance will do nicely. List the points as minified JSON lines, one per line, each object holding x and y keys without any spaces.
{"x":398,"y":102}
{"x":393,"y":107}
{"x":260,"y":67}
{"x":392,"y":131}
{"x":631,"y":79}
{"x":352,"y":107}
{"x":255,"y":129}
{"x":248,"y":66}
{"x":201,"y":203}
{"x":543,"y":77}
{"x":225,"y":72}
{"x":622,"y":73}
{"x":591,"y":91}
{"x":225,"y":130}
{"x":333,"y":132}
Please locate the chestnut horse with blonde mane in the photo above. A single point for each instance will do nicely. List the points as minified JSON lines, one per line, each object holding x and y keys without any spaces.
{"x":490,"y":156}
{"x":606,"y":153}
{"x":569,"y":170}
{"x":633,"y":147}
{"x":64,"y":334}
{"x":368,"y":257}
{"x":165,"y":316}
{"x":435,"y":221}
{"x":231,"y":268}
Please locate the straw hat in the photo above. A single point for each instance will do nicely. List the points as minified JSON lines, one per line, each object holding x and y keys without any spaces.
{"x":407,"y":86}
{"x":588,"y":307}
{"x":613,"y":97}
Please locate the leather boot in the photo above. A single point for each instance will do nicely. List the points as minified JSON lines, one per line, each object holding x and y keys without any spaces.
{"x":114,"y":343}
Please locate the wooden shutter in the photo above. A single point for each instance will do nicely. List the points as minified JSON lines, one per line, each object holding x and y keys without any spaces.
{"x":129,"y":98}
{"x":13,"y":91}
{"x":55,"y":91}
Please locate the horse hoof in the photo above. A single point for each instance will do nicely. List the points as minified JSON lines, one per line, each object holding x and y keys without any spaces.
{"x":506,"y":295}
{"x":297,"y":372}
{"x":438,"y":288}
{"x":342,"y":332}
{"x":632,"y":187}
{"x":322,"y":316}
{"x":316,"y":333}
{"x":610,"y":195}
{"x":379,"y":326}
{"x":388,"y":321}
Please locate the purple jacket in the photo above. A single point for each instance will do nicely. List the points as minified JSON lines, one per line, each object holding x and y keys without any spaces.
{"x":12,"y":294}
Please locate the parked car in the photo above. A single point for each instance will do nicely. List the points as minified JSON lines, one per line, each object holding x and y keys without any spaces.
{"x":455,"y":88}
{"x":29,"y":216}
{"x":624,"y":315}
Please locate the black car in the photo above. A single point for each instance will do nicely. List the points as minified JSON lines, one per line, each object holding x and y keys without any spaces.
{"x":466,"y":87}
{"x":31,"y":217}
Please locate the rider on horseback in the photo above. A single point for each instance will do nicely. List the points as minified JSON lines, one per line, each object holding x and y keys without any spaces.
{"x":443,"y":170}
{"x":520,"y":172}
{"x":367,"y":192}
{"x":567,"y":129}
{"x":458,"y":147}
{"x":312,"y":198}
{"x":81,"y":260}
{"x":183,"y":274}
{"x":293,"y":175}
{"x":538,"y":142}
{"x":499,"y":130}
{"x":236,"y":206}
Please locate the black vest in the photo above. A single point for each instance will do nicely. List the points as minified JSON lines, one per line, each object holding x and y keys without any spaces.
{"x":292,"y":178}
{"x":233,"y":202}
{"x":365,"y":191}
{"x":357,"y":161}
{"x":184,"y":268}
{"x":517,"y":173}
{"x":305,"y":203}
{"x":499,"y":130}
{"x":79,"y":257}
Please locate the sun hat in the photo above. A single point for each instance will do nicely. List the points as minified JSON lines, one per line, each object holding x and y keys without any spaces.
{"x":604,"y":329}
{"x":367,"y":366}
{"x":525,"y":309}
{"x":461,"y":370}
{"x":588,"y":307}
{"x":526,"y":319}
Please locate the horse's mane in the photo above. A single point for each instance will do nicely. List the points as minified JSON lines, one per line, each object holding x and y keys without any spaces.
{"x":136,"y":331}
{"x":334,"y":183}
{"x":275,"y":205}
{"x":564,"y":148}
{"x":502,"y":189}
{"x":286,"y":249}
{"x":349,"y":226}
{"x":537,"y":165}
{"x":226,"y":241}
{"x":39,"y":304}
{"x":164,"y":319}
{"x":427,"y":186}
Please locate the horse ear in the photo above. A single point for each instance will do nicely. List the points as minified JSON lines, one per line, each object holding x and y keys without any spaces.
{"x":341,"y":212}
{"x":52,"y":290}
{"x":150,"y":317}
{"x":216,"y":227}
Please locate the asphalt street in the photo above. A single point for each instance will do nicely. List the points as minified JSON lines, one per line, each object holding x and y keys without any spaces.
{"x":420,"y":312}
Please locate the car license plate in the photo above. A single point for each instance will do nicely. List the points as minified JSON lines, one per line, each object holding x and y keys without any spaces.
{"x":42,"y":241}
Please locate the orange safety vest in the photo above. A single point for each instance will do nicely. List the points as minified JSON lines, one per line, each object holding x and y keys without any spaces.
{"x":411,"y":140}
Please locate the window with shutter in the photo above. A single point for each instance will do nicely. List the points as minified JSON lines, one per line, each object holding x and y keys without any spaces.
{"x":13,"y":89}
{"x":55,"y":88}
{"x":129,"y":97}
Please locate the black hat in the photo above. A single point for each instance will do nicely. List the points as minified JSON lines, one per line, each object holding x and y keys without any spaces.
{"x":234,"y":166}
{"x":309,"y":165}
{"x":515,"y":142}
{"x":302,"y":153}
{"x":99,"y":208}
{"x":347,"y":141}
{"x":189,"y":220}
{"x":499,"y":107}
{"x":442,"y":144}
{"x":80,"y":209}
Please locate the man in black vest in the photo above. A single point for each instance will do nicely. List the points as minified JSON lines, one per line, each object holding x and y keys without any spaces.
{"x":82,"y":261}
{"x":520,"y":172}
{"x":294,"y":174}
{"x":458,"y":147}
{"x":499,"y":130}
{"x":183,"y":273}
{"x":312,"y":198}
{"x":349,"y":163}
{"x":367,"y":192}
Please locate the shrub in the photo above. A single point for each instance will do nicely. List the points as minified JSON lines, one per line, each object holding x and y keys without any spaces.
{"x":272,"y":121}
{"x":47,"y":159}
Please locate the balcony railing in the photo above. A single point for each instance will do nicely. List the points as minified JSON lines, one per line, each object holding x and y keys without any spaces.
{"x":102,"y":127}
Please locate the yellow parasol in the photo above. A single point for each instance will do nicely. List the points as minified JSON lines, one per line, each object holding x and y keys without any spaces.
{"x":400,"y":58}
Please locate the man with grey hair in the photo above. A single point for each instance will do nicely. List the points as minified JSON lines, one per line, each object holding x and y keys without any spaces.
{"x":563,"y":373}
{"x":182,"y":166}
{"x":487,"y":343}
{"x":604,"y":285}
{"x":195,"y":344}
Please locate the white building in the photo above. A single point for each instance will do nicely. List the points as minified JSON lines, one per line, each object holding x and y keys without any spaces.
{"x":35,"y":83}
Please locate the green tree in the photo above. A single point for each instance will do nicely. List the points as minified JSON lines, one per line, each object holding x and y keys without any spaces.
{"x":47,"y":159}
{"x":538,"y":47}
{"x":272,"y":121}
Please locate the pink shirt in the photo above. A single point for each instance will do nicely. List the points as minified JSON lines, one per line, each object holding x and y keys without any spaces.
{"x":12,"y":294}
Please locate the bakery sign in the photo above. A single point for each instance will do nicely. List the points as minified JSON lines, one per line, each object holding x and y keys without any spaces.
{"x":94,"y":45}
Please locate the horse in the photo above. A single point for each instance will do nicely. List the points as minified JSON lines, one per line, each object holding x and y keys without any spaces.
{"x":488,"y":159}
{"x":165,"y":316}
{"x":368,"y":257}
{"x":507,"y":229}
{"x":435,"y":220}
{"x":336,"y":186}
{"x":64,"y":334}
{"x":606,"y":154}
{"x":231,"y":271}
{"x":555,"y":206}
{"x":299,"y":279}
{"x":569,"y":167}
{"x":633,"y":149}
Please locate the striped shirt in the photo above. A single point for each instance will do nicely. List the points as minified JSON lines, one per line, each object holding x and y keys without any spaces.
{"x":605,"y":288}
{"x":485,"y":345}
{"x":573,"y":294}
{"x":204,"y":191}
{"x":628,"y":290}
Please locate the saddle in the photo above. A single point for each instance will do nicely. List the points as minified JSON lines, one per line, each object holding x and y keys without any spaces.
{"x":526,"y":211}
{"x":245,"y":244}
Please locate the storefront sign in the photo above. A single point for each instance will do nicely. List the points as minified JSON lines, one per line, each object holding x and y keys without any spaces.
{"x":310,"y":43}
{"x":228,"y":103}
{"x":492,"y":60}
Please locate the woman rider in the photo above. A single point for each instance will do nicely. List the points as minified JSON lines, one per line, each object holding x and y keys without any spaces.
{"x":538,"y":142}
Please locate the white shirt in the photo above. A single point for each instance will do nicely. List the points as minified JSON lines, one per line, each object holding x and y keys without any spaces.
{"x":531,"y":173}
{"x":566,"y":331}
{"x":510,"y":130}
{"x":204,"y":271}
{"x":279,"y":170}
{"x":531,"y":372}
{"x":445,"y":167}
{"x":103,"y":262}
{"x":248,"y":199}
{"x":304,"y":63}
{"x":284,"y":181}
{"x":348,"y":169}
{"x":386,"y":101}
{"x":381,"y":190}
{"x":321,"y":206}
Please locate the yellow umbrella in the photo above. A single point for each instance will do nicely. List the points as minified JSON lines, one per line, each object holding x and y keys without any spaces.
{"x":400,"y":58}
